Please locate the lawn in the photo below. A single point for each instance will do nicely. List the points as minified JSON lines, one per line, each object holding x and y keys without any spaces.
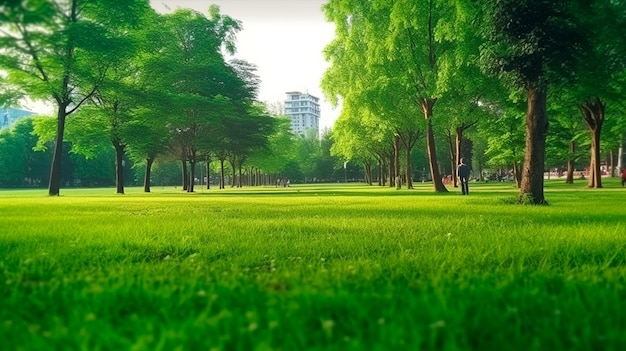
{"x":327,"y":267}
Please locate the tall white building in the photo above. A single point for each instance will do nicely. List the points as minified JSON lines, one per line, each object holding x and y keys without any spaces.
{"x":304,"y":111}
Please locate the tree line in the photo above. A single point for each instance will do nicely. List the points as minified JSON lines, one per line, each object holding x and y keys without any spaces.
{"x":302,"y":159}
{"x":145,"y":84}
{"x":477,"y":73}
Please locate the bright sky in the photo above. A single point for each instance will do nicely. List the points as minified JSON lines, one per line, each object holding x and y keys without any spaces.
{"x":284,"y":38}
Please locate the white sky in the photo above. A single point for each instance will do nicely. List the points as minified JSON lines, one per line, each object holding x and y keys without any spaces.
{"x":284,"y":38}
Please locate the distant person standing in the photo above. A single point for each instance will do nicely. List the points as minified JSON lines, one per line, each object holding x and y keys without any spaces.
{"x":463,"y":172}
{"x":623,"y":176}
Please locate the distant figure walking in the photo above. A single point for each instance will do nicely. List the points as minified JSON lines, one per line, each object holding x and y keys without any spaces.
{"x":623,"y":176}
{"x":463,"y":172}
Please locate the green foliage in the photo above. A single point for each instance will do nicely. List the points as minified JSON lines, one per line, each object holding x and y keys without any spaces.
{"x":313,"y":267}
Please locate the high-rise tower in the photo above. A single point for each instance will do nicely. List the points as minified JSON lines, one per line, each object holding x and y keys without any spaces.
{"x":304,"y":111}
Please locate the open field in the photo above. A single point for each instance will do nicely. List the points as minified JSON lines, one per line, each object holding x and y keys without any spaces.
{"x":332,"y":267}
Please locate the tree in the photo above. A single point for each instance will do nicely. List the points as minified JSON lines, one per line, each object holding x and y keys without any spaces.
{"x":600,"y":77}
{"x":530,"y":45}
{"x":202,"y":87}
{"x":60,"y":51}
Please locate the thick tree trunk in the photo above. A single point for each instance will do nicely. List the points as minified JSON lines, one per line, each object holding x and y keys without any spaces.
{"x":531,"y":188}
{"x":569,"y":179}
{"x":119,"y":166}
{"x":148,"y":174}
{"x":593,"y":115}
{"x":427,"y":105}
{"x":54,"y":185}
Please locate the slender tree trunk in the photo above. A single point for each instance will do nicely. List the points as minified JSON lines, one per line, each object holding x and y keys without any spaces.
{"x":593,"y":115}
{"x":380,"y":172}
{"x":146,"y":178}
{"x":409,"y":168}
{"x":458,"y":143}
{"x":185,"y":175}
{"x":454,"y":161}
{"x":54,"y":186}
{"x":396,"y":162}
{"x":531,"y":188}
{"x":119,"y":166}
{"x":208,"y":175}
{"x":517,"y":174}
{"x":610,"y":163}
{"x":569,"y":179}
{"x":240,"y":183}
{"x":192,"y":176}
{"x":222,"y":181}
{"x":233,"y":172}
{"x":391,"y":171}
{"x":427,"y":105}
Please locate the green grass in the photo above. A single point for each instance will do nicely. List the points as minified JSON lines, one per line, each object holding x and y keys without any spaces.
{"x":330,"y":267}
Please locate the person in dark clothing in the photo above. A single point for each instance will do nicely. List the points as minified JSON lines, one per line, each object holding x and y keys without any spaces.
{"x":463,"y":172}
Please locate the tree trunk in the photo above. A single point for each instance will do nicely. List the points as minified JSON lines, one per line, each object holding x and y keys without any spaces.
{"x":233,"y":172}
{"x":427,"y":105}
{"x":208,"y":175}
{"x":396,"y":162}
{"x":517,"y":175}
{"x":409,"y":168}
{"x":453,"y":158}
{"x":119,"y":166}
{"x":531,"y":188}
{"x":222,"y":182}
{"x":54,"y":186}
{"x":593,"y":115}
{"x":610,"y":163}
{"x":192,"y":176}
{"x":240,"y":183}
{"x":367,"y":168}
{"x":569,"y":179}
{"x":458,"y":142}
{"x":390,"y":172}
{"x":146,"y":178}
{"x":185,"y":175}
